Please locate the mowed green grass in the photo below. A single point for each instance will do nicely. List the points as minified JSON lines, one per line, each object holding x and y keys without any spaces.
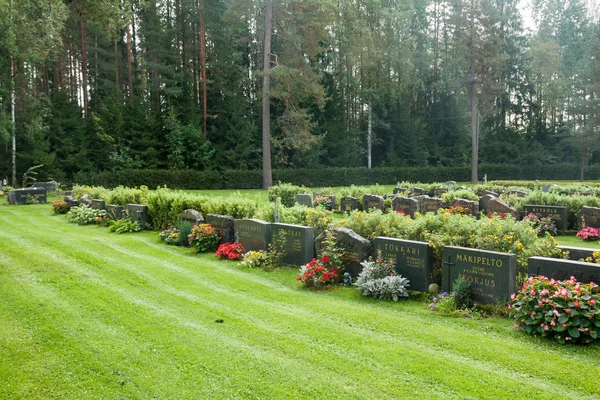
{"x":86,"y":314}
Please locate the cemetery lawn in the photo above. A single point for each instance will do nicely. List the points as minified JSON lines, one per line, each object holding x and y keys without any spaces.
{"x":85,"y":313}
{"x":572,"y":240}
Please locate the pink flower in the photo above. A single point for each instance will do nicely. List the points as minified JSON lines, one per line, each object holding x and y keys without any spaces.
{"x":592,"y":302}
{"x":568,"y":311}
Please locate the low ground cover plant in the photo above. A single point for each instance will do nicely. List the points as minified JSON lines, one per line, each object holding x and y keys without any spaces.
{"x":84,"y":215}
{"x":458,"y":303}
{"x":124,"y":226}
{"x":566,"y":311}
{"x":204,"y":238}
{"x":588,"y":234}
{"x":230,"y":251}
{"x":379,"y":280}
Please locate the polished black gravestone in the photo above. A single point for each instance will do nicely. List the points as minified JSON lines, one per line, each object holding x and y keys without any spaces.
{"x":471,"y":205}
{"x":356,"y":249}
{"x":492,"y":275}
{"x":413,"y":260}
{"x":559,"y":269}
{"x":114,"y":212}
{"x":98,"y":204}
{"x":559,"y":214}
{"x":432,"y":204}
{"x":27,"y":196}
{"x":298,"y":242}
{"x":253,"y":234}
{"x":372,"y":202}
{"x":224,"y":224}
{"x":588,"y":216}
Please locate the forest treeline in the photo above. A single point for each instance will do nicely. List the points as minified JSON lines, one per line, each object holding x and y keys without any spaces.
{"x":176,"y":84}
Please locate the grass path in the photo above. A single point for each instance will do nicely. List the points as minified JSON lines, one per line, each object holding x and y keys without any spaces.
{"x":89,"y":314}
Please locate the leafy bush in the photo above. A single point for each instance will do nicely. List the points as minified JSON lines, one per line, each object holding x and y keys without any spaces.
{"x":566,"y":311}
{"x":378,"y":280}
{"x":185,"y":230}
{"x":319,"y":219}
{"x":460,"y":194}
{"x":93,"y":192}
{"x":255,"y":259}
{"x":376,"y":223}
{"x":286,"y":192}
{"x":84,"y":215}
{"x":124,"y":226}
{"x":588,"y":234}
{"x":318,"y":274}
{"x":204,"y":238}
{"x":124,"y":195}
{"x":60,"y":207}
{"x":324,"y":202}
{"x":230,"y":251}
{"x":541,"y":224}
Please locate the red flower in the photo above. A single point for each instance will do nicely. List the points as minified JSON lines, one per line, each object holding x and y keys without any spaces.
{"x":325,"y":259}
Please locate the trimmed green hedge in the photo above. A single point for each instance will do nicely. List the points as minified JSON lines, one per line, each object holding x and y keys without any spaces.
{"x":323,"y":177}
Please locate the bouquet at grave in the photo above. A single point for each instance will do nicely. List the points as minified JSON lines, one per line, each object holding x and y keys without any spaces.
{"x":170,"y":235}
{"x":588,"y":234}
{"x":566,"y":311}
{"x":230,"y":251}
{"x":541,"y":224}
{"x":204,"y":238}
{"x":379,"y":280}
{"x":318,"y":273}
{"x":323,"y":201}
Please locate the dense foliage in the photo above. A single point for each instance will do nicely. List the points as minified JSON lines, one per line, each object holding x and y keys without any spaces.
{"x":172,"y":87}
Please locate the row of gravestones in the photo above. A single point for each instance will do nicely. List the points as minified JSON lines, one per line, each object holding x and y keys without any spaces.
{"x":38,"y":192}
{"x":492,"y":275}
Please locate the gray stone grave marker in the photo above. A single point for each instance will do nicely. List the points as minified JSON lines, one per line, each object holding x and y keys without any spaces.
{"x":588,"y":216}
{"x":298,"y":242}
{"x":348,"y":204}
{"x":27,"y":196}
{"x":373,"y":202}
{"x":432,"y":204}
{"x":413,"y":260}
{"x":439,"y":192}
{"x":193,"y":217}
{"x":99,"y":204}
{"x":114,"y":212}
{"x":559,"y":269}
{"x":356,"y":249}
{"x":304,"y":199}
{"x":471,"y":205}
{"x":498,"y":206}
{"x":559,"y":214}
{"x":253,"y":234}
{"x":48,"y":186}
{"x":71,"y":201}
{"x":417,"y":191}
{"x":483,"y":201}
{"x":399,"y":190}
{"x":224,"y":224}
{"x":406,"y":205}
{"x":492,"y":275}
{"x":138,"y":213}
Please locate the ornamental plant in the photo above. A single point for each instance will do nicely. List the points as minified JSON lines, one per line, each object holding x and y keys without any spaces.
{"x":595,"y":258}
{"x":566,"y":311}
{"x":255,"y":259}
{"x":60,"y":207}
{"x":379,"y":280}
{"x":170,"y":235}
{"x":204,"y":238}
{"x":318,"y":273}
{"x":124,"y":226}
{"x":84,"y":215}
{"x":459,"y":303}
{"x":589,"y":234}
{"x":230,"y":251}
{"x":459,"y":210}
{"x":541,"y":224}
{"x":323,"y":202}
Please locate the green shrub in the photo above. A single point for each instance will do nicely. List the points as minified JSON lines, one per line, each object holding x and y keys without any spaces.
{"x":60,"y":207}
{"x":460,"y":194}
{"x":378,"y":280}
{"x":319,"y":219}
{"x":566,"y":311}
{"x":204,"y":238}
{"x":124,"y":226}
{"x":255,"y":259}
{"x":84,"y":215}
{"x":286,"y":192}
{"x":376,"y":223}
{"x":93,"y":192}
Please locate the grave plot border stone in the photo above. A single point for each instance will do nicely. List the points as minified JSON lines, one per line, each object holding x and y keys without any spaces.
{"x":413,"y":260}
{"x":492,"y":274}
{"x":299,"y":242}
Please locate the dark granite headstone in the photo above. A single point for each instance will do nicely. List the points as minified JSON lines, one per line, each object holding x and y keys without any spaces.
{"x":114,"y":212}
{"x":253,"y":234}
{"x":471,"y":205}
{"x":498,"y":206}
{"x":373,"y":202}
{"x":405,"y":205}
{"x":417,"y":191}
{"x":304,"y":199}
{"x":413,"y":260}
{"x":193,"y":217}
{"x":356,"y":249}
{"x":48,"y":186}
{"x":298,"y":242}
{"x":138,"y":213}
{"x":224,"y":224}
{"x":348,"y":204}
{"x":420,"y":199}
{"x":489,"y":192}
{"x":71,"y":201}
{"x":483,"y":202}
{"x":559,"y":269}
{"x":492,"y":275}
{"x":27,"y":196}
{"x":559,"y":214}
{"x":432,"y":204}
{"x":439,"y":192}
{"x":588,"y":216}
{"x":400,"y":190}
{"x":98,"y":204}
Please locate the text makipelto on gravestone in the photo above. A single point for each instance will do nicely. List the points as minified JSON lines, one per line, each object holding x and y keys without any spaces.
{"x":492,"y":275}
{"x":253,"y":234}
{"x":413,"y":260}
{"x":559,"y":214}
{"x":224,"y":224}
{"x":298,"y":242}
